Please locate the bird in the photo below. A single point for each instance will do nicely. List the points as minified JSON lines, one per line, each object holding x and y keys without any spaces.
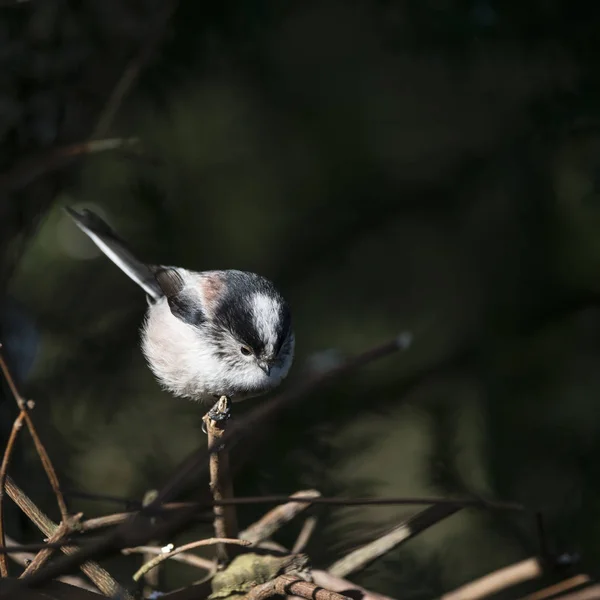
{"x":206,"y":334}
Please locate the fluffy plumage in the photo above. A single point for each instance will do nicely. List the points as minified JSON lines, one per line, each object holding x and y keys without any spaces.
{"x":209,"y":333}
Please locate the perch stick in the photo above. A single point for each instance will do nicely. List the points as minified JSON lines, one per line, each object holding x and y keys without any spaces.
{"x":221,"y":485}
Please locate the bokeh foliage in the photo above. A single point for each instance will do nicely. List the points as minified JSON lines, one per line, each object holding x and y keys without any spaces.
{"x":428,"y":166}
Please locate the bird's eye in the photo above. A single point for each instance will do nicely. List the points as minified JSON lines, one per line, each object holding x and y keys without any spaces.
{"x":245,"y":351}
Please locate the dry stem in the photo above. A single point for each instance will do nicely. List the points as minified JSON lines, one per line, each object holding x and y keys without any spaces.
{"x":292,"y":585}
{"x":208,"y":542}
{"x":3,"y":469}
{"x":101,"y":578}
{"x":305,"y":534}
{"x":41,"y":450}
{"x":267,"y":525}
{"x":559,"y":588}
{"x":221,"y":484}
{"x":498,"y":580}
{"x":189,"y":559}
{"x":338,"y":584}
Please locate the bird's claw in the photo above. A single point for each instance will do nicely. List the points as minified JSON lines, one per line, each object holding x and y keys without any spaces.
{"x":221,"y":411}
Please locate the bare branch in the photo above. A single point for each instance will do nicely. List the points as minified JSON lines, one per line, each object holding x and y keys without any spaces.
{"x":337,"y":584}
{"x":3,"y":469}
{"x":221,"y":485}
{"x":41,"y":450}
{"x":133,"y":69}
{"x":498,"y":580}
{"x":267,"y":525}
{"x":304,"y":536}
{"x":559,"y":588}
{"x":101,"y":578}
{"x":292,"y":585}
{"x":166,"y":555}
{"x":188,"y":559}
{"x":591,"y":592}
{"x":22,"y":557}
{"x":362,"y":557}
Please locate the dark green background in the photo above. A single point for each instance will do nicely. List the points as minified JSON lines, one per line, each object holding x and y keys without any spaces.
{"x":424,"y":165}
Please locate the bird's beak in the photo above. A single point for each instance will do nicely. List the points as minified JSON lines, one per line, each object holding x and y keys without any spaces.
{"x":266,"y":367}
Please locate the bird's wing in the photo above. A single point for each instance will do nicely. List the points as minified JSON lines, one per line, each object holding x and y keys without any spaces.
{"x":116,"y":249}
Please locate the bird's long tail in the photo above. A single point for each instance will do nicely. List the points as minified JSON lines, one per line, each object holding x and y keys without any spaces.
{"x":116,"y":249}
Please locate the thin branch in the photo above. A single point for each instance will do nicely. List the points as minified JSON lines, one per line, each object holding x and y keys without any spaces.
{"x":101,"y":578}
{"x":360,"y":558}
{"x":188,"y":559}
{"x":166,"y":555}
{"x":41,"y":450}
{"x":20,"y":554}
{"x":29,"y":169}
{"x":293,"y":586}
{"x":267,"y":525}
{"x":559,"y":588}
{"x":305,"y":534}
{"x":3,"y":469}
{"x":338,"y":584}
{"x":498,"y":580}
{"x":48,"y":467}
{"x":221,"y":485}
{"x":133,"y":69}
{"x":63,"y":530}
{"x":591,"y":592}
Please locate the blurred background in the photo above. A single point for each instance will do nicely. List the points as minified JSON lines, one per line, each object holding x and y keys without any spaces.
{"x":429,"y":166}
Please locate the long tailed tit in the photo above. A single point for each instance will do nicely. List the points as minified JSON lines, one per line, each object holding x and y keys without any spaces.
{"x":206,"y":334}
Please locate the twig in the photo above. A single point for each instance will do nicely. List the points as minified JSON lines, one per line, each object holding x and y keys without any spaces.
{"x":498,"y":580}
{"x":305,"y":534}
{"x":23,"y":557}
{"x":41,"y":450}
{"x":133,"y":70}
{"x":559,"y":588}
{"x":189,"y":559}
{"x":292,"y":585}
{"x":3,"y":469}
{"x":337,"y":584}
{"x":41,"y":557}
{"x":591,"y":592}
{"x":362,"y":557}
{"x":267,"y":525}
{"x":151,"y":577}
{"x":29,"y":169}
{"x":221,"y":485}
{"x":101,"y":578}
{"x":208,"y":542}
